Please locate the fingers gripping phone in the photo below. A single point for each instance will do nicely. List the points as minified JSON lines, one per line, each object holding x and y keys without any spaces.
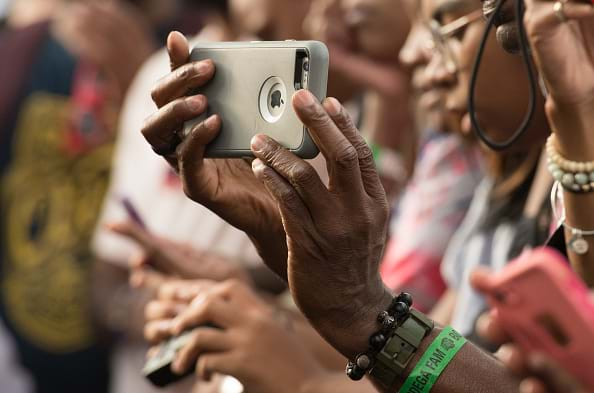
{"x":252,"y":90}
{"x":545,"y":307}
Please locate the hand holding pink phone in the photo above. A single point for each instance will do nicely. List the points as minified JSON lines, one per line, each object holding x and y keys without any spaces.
{"x":545,"y":307}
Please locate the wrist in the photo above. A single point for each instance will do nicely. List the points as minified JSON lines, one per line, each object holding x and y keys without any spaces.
{"x":349,"y":329}
{"x":573,"y":127}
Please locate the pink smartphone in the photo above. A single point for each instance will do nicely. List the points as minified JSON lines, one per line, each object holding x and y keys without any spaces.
{"x":544,"y":306}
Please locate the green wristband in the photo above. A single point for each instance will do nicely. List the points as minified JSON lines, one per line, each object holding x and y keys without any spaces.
{"x":435,"y":359}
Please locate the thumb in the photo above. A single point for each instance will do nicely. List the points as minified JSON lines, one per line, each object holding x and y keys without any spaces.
{"x":178,"y":49}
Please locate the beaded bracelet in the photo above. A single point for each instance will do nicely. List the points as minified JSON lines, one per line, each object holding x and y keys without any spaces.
{"x":392,"y":348}
{"x":574,"y":176}
{"x":398,"y":310}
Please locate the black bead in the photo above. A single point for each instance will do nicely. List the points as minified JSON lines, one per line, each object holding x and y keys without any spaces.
{"x":405,"y":298}
{"x":377,"y":341}
{"x":355,"y":373}
{"x":399,"y":309}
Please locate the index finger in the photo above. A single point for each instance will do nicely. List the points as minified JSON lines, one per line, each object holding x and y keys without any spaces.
{"x":341,"y":156}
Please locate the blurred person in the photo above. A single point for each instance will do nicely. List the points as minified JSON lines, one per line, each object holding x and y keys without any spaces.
{"x":364,"y":38}
{"x":207,"y":247}
{"x":57,"y":128}
{"x":568,"y":108}
{"x":434,"y":202}
{"x":502,"y":219}
{"x":568,"y":104}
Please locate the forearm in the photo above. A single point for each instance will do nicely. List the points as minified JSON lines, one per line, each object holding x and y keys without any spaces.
{"x":336,"y":382}
{"x":574,"y":132}
{"x":472,"y":370}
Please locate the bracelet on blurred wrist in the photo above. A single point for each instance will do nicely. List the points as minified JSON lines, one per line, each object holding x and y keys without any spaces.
{"x":577,"y":177}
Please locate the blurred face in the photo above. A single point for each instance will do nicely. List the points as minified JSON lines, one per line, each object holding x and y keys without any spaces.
{"x":414,"y":56}
{"x":269,"y":19}
{"x":251,"y":16}
{"x":501,"y":94}
{"x":379,"y":27}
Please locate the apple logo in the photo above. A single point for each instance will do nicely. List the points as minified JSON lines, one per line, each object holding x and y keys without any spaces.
{"x":276,"y":99}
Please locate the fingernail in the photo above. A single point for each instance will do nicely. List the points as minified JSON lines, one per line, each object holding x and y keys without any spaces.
{"x":258,"y":143}
{"x":333,"y":107}
{"x":258,"y":165}
{"x":210,"y":123}
{"x":305,"y":98}
{"x":203,"y":67}
{"x":176,"y":366}
{"x":196,"y":103}
{"x":504,"y":354}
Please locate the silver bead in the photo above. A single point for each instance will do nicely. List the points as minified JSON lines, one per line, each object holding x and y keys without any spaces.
{"x":567,"y":180}
{"x":592,"y":177}
{"x":581,"y":178}
{"x":363,"y":362}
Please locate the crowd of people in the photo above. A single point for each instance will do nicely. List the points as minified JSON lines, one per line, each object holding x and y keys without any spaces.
{"x":454,"y":140}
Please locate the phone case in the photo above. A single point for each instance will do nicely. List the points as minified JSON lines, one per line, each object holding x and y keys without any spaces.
{"x":545,"y":307}
{"x":252,"y":90}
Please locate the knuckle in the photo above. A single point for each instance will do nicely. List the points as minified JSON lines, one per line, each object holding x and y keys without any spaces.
{"x":288,"y":196}
{"x":343,"y":120}
{"x":156,"y":92}
{"x":302,"y":173}
{"x":346,"y":155}
{"x":147,"y":124}
{"x":364,"y":152}
{"x":183,"y":74}
{"x":319,"y":117}
{"x":274,"y":154}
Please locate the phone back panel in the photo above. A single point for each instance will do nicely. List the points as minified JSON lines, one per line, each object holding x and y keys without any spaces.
{"x":247,"y":76}
{"x":546,"y":308}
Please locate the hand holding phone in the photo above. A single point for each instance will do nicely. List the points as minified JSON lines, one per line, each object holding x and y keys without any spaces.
{"x":545,"y":307}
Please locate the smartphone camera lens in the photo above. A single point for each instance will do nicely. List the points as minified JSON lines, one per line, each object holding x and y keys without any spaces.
{"x":306,"y":65}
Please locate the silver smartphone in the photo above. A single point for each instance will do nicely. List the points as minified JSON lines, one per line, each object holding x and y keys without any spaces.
{"x":252,"y":90}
